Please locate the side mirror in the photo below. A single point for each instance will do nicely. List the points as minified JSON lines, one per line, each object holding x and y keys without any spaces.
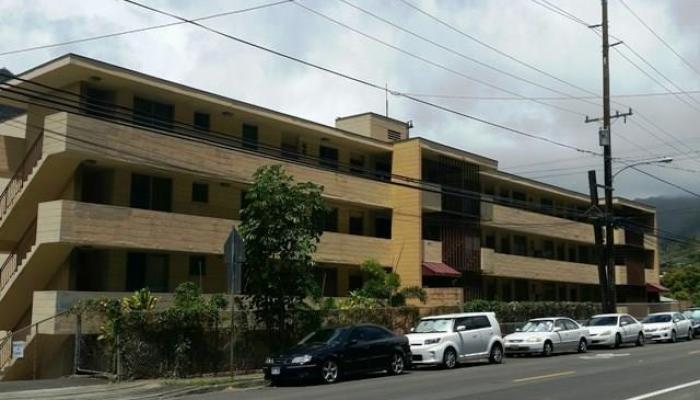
{"x":518,"y":329}
{"x":352,"y":342}
{"x":460,"y":328}
{"x":412,"y":329}
{"x":557,"y":329}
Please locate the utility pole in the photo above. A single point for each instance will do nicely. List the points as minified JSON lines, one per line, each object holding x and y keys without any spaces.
{"x":596,"y":215}
{"x":610,"y":301}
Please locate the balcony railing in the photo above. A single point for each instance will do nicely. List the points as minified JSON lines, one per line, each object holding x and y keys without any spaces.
{"x":16,"y":256}
{"x":16,"y":183}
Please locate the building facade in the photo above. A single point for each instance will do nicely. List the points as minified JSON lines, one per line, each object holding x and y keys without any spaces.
{"x":115,"y":181}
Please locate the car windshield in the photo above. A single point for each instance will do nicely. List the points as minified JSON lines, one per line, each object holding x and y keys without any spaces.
{"x":653,"y":319}
{"x":324,"y":336}
{"x":538,"y":326}
{"x":602,"y":321}
{"x":692,"y":314}
{"x":433,"y":325}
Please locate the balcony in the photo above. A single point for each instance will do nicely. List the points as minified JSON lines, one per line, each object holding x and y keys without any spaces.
{"x":63,"y":225}
{"x":97,"y":139}
{"x":514,"y":219}
{"x":512,"y":266}
{"x":431,"y":197}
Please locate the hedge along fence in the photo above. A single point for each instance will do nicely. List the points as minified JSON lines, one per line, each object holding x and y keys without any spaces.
{"x":509,"y":312}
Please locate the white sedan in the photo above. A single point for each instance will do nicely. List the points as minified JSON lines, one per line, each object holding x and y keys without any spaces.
{"x":546,"y":336}
{"x":615,"y":329}
{"x":667,"y":326}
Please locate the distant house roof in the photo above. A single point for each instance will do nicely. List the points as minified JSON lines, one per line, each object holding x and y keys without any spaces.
{"x":7,"y":112}
{"x":5,"y":74}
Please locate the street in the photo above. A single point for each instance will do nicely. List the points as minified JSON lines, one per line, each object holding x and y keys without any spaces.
{"x":628,"y":373}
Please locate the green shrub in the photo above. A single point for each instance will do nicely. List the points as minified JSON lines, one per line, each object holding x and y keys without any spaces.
{"x":522,"y":311}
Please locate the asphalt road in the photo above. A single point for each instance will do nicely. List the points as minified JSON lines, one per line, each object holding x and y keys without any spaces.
{"x":629,"y":373}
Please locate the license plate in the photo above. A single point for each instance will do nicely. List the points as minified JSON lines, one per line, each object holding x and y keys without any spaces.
{"x":275,"y":370}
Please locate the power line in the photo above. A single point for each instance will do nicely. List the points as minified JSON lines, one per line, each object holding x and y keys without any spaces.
{"x":665,"y":43}
{"x":138,"y":30}
{"x":433,"y":63}
{"x":192,"y":133}
{"x":547,"y":98}
{"x":382,"y":88}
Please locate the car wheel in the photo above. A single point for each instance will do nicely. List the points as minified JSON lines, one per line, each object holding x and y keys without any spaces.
{"x":548,"y":349}
{"x":496,"y":354}
{"x":674,"y":339}
{"x":640,"y":340}
{"x":330,"y":372}
{"x":690,"y":335}
{"x":397,"y":364}
{"x":618,"y":341}
{"x":582,"y":346}
{"x":449,"y":358}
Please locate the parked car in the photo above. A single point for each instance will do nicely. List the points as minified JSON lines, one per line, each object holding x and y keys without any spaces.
{"x":615,"y":329}
{"x":447,"y":340}
{"x":546,"y":336}
{"x":693,"y":314}
{"x":667,"y":326}
{"x":330,"y":354}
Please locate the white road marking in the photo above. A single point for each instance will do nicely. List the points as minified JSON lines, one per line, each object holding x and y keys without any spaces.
{"x":532,"y":378}
{"x":604,"y":356}
{"x":694,"y":352}
{"x":664,"y":391}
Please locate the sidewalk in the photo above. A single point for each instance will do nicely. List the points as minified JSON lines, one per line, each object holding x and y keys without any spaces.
{"x":89,"y":388}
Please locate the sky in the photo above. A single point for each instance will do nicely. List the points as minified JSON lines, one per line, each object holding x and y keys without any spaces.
{"x":446,"y":67}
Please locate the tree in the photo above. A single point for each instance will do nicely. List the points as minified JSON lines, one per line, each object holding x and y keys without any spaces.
{"x":384,"y":286}
{"x":281,"y":226}
{"x":684,"y":282}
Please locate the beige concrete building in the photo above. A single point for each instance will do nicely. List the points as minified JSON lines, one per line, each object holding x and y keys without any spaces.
{"x":119,"y":181}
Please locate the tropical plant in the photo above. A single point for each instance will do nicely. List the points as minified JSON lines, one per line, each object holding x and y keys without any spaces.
{"x":382,"y":288}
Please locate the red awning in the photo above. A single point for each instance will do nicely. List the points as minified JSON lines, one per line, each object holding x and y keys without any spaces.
{"x":656,"y":288}
{"x":440,"y":269}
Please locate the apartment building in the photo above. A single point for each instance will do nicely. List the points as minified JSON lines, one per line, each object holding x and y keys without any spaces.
{"x":115,"y":180}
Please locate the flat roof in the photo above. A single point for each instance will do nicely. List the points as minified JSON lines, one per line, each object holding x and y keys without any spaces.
{"x":375,"y":115}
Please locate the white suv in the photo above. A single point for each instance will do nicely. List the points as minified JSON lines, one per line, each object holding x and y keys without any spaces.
{"x":450,"y":339}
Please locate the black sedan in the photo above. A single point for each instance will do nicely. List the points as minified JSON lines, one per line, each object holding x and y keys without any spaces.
{"x":330,"y":354}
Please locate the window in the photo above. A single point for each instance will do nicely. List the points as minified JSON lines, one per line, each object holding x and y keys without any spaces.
{"x":331,"y":222}
{"x":490,"y":241}
{"x":202,"y":121}
{"x":250,"y":137}
{"x":359,"y":334}
{"x":519,"y":197}
{"x":572,"y":254}
{"x":200,"y":192}
{"x":504,"y":193}
{"x":519,"y":245}
{"x":584,"y":255}
{"x":357,"y":163}
{"x":198,"y":266}
{"x":376,"y":333}
{"x":561,"y":252}
{"x":382,"y":168}
{"x":99,"y":102}
{"x":151,"y":193}
{"x":560,"y":324}
{"x":548,"y":249}
{"x":382,"y":226}
{"x":570,"y":325}
{"x":547,"y":205}
{"x":480,"y":322}
{"x":153,"y":113}
{"x":357,"y":224}
{"x":626,"y":320}
{"x":329,"y":157}
{"x":505,"y":245}
{"x":146,"y":270}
